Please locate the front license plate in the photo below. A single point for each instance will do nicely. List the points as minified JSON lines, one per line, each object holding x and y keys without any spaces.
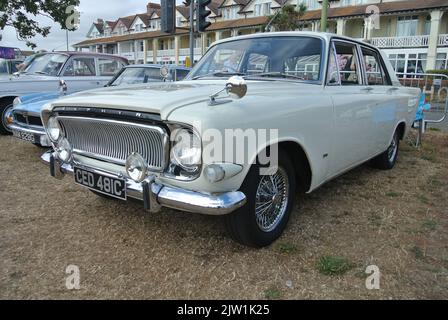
{"x":110,"y":186}
{"x":30,"y":137}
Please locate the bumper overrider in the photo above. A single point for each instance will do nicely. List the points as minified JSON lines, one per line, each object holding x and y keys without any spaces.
{"x":155,"y":196}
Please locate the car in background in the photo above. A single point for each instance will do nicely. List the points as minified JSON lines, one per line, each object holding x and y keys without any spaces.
{"x":27,"y":125}
{"x":236,"y":138}
{"x":79,"y":70}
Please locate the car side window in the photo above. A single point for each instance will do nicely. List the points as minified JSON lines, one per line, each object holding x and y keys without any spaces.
{"x":181,"y":74}
{"x":348,"y":65}
{"x":374,"y":70}
{"x":333,"y":69}
{"x":81,"y":67}
{"x":109,"y":67}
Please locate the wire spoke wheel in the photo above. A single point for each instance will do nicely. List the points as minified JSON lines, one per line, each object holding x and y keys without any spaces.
{"x":393,"y":149}
{"x":272,"y":200}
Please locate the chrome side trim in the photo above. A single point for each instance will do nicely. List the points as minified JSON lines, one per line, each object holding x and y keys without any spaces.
{"x":171,"y":197}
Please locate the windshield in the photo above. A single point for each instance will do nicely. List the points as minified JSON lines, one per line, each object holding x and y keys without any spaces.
{"x":296,"y":58}
{"x":48,"y":64}
{"x":135,"y":75}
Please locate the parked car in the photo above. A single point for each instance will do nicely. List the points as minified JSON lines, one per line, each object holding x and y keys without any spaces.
{"x":27,"y":125}
{"x":80,"y":70}
{"x":330,"y":102}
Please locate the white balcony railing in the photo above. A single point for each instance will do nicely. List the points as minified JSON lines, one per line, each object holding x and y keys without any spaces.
{"x":443,"y":40}
{"x":401,"y":42}
{"x":186,"y":51}
{"x":165,"y":53}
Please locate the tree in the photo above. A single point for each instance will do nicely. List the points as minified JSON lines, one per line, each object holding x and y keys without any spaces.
{"x":19,"y":14}
{"x":287,"y":18}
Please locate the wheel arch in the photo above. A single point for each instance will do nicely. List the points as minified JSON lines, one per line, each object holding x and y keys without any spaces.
{"x":300,"y":160}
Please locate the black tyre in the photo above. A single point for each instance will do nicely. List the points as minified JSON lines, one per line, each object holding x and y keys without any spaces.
{"x":270,"y":200}
{"x":5,"y":112}
{"x":388,"y":159}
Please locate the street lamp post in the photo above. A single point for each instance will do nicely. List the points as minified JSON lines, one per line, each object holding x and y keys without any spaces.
{"x":324,"y":17}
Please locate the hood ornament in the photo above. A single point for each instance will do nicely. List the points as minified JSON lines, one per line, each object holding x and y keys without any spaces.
{"x":236,"y":88}
{"x":63,"y":87}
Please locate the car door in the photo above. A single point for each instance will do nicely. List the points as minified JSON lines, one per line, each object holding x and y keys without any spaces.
{"x":386,"y":100}
{"x":352,"y":107}
{"x":80,"y":74}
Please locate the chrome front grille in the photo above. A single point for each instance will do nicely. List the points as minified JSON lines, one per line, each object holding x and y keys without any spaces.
{"x":114,"y":141}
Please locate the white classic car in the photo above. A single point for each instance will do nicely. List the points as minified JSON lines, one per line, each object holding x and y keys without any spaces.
{"x":79,"y":70}
{"x":259,"y":118}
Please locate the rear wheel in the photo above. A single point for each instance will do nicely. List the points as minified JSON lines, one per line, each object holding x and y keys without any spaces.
{"x":270,"y":200}
{"x":388,"y":159}
{"x":6,"y":120}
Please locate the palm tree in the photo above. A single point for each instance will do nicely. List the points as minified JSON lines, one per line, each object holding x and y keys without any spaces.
{"x":287,"y":18}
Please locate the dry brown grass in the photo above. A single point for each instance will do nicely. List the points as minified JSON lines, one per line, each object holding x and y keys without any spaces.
{"x":396,"y":220}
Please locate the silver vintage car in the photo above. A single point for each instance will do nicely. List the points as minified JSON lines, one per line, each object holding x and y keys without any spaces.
{"x":79,"y":70}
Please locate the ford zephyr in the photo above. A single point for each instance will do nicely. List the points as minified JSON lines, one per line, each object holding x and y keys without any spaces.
{"x":316,"y":104}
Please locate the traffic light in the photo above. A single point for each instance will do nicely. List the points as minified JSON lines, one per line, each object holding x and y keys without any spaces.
{"x":203,"y":13}
{"x":168,"y":16}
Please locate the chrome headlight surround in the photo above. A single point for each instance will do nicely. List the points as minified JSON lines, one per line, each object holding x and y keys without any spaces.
{"x":16,"y":101}
{"x":54,"y":130}
{"x":185,"y":152}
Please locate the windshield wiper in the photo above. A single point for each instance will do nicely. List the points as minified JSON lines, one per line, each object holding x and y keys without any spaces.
{"x":40,"y":72}
{"x":219,"y":74}
{"x":276,"y":75}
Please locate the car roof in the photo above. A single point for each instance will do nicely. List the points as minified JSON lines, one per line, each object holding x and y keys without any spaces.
{"x":323,"y":35}
{"x":82,"y":53}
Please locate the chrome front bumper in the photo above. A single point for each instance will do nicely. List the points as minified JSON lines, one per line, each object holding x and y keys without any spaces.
{"x":156,"y":196}
{"x":39,"y":133}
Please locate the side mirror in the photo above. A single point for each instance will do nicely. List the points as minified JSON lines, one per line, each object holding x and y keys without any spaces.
{"x":236,"y":87}
{"x":63,"y":87}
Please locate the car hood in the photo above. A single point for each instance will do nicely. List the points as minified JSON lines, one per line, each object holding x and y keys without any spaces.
{"x":164,"y":98}
{"x":33,"y":103}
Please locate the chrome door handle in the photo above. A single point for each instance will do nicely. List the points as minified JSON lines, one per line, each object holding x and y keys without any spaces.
{"x":368,"y":89}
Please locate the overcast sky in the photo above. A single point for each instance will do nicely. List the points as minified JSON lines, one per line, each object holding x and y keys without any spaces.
{"x":90,"y":11}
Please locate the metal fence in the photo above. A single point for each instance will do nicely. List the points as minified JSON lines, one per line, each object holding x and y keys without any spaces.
{"x":435,"y":89}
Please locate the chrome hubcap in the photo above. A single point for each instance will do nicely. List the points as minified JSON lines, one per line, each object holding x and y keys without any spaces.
{"x":272,"y":200}
{"x":392,"y":152}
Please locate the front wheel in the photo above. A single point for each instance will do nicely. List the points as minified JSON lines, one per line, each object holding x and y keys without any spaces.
{"x":6,"y":120}
{"x":270,"y":200}
{"x":388,"y":159}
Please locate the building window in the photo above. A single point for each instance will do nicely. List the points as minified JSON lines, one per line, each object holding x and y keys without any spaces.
{"x":142,"y":46}
{"x":407,"y":26}
{"x":262,"y":9}
{"x":398,"y":62}
{"x":178,"y":21}
{"x":441,"y":61}
{"x":311,"y":4}
{"x":346,"y":3}
{"x":427,"y":28}
{"x":416,"y":63}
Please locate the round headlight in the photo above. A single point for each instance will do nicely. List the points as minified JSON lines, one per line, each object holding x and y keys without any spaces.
{"x":136,"y":167}
{"x":53,"y":129}
{"x":64,"y":150}
{"x":187,"y":150}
